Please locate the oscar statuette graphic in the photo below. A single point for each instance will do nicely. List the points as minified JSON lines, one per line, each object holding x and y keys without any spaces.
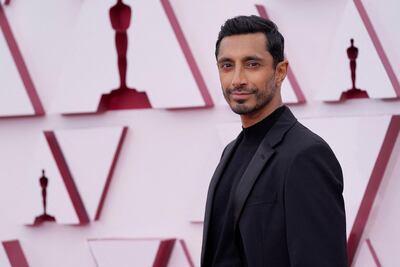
{"x":353,"y":92}
{"x":122,"y":97}
{"x":44,"y":182}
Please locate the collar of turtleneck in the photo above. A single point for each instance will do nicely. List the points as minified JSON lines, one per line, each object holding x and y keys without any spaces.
{"x":255,"y":133}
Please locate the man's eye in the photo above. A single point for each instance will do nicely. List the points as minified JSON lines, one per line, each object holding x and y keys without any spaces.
{"x":253,"y":64}
{"x":225,"y":65}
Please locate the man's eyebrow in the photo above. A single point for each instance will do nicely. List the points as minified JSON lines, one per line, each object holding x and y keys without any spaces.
{"x":223,"y":59}
{"x":247,"y":58}
{"x":257,"y":58}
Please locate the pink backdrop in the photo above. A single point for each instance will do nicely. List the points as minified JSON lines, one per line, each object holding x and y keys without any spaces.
{"x":131,"y":185}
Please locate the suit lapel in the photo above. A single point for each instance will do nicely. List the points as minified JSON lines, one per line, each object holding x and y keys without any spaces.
{"x":211,"y":190}
{"x":256,"y":165}
{"x":263,"y":154}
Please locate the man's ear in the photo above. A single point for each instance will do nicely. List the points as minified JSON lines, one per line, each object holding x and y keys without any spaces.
{"x":281,"y":71}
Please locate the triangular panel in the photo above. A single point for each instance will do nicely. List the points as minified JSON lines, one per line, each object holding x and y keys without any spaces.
{"x":180,"y":256}
{"x":367,"y":256}
{"x":131,"y":252}
{"x":370,"y":72}
{"x":58,"y":201}
{"x":85,"y":148}
{"x":382,"y":223}
{"x":18,"y":96}
{"x":92,"y":68}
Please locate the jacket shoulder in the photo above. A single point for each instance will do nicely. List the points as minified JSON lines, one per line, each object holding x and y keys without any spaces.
{"x":301,"y":138}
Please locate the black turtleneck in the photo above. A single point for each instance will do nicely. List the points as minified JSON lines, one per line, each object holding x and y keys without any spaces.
{"x":224,"y":248}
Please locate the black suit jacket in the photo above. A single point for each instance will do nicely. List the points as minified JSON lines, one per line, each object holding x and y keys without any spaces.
{"x":288,"y":206}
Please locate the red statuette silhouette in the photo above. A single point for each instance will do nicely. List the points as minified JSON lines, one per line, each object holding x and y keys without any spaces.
{"x":352,"y":54}
{"x":122,"y":97}
{"x":44,"y":181}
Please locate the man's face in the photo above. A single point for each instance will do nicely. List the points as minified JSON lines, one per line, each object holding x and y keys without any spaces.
{"x":248,"y":77}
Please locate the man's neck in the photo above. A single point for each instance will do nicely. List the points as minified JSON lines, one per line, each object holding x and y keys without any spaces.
{"x":253,"y":118}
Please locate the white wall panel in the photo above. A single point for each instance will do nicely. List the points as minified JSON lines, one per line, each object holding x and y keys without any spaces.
{"x":383,"y":19}
{"x":124,"y":253}
{"x":83,"y":148}
{"x":4,"y":258}
{"x":14,"y":99}
{"x":365,"y":258}
{"x":336,"y":75}
{"x":382,"y":227}
{"x":43,"y":33}
{"x":160,"y":183}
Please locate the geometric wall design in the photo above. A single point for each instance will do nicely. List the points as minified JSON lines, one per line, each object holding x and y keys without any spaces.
{"x":12,"y":251}
{"x":76,"y":191}
{"x":148,"y":187}
{"x":380,"y":19}
{"x":88,"y":73}
{"x":354,"y":24}
{"x":368,"y":256}
{"x":380,"y":171}
{"x":140,"y":252}
{"x":18,"y":96}
{"x":383,"y":54}
{"x":180,"y":255}
{"x":381,"y":228}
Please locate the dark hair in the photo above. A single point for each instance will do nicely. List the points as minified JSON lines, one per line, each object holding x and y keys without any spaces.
{"x":254,"y":24}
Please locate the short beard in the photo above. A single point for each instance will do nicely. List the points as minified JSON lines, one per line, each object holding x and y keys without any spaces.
{"x":262,"y":99}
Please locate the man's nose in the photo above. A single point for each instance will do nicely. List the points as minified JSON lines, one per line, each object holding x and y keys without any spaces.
{"x":239,"y":78}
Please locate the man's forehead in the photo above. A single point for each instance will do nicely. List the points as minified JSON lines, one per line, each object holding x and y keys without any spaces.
{"x":243,"y":45}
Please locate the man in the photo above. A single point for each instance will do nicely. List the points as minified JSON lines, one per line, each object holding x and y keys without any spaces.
{"x":276,"y":196}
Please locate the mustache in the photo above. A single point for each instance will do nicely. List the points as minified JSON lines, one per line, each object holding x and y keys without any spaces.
{"x":241,"y":90}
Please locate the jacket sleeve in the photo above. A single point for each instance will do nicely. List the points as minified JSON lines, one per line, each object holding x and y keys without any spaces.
{"x":314,"y":209}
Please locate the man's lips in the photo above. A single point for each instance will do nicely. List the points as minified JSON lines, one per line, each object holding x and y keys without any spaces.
{"x":240,"y":95}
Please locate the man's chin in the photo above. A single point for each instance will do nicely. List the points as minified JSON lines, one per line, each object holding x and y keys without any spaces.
{"x":241,"y":109}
